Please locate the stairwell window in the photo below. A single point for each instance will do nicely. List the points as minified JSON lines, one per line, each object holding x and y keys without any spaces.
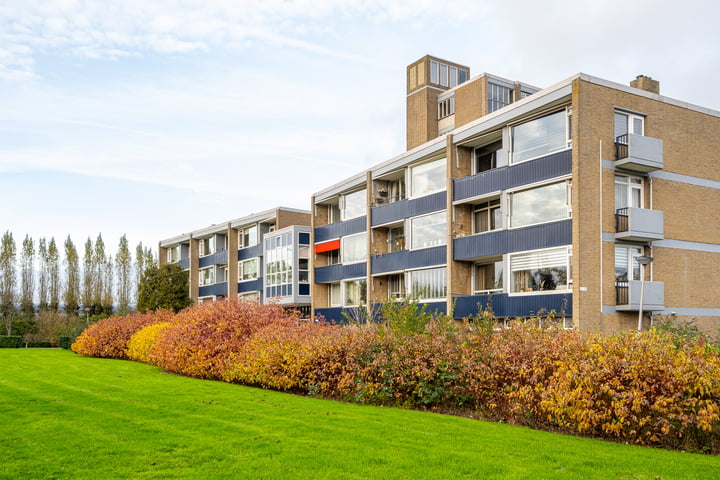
{"x":541,"y":136}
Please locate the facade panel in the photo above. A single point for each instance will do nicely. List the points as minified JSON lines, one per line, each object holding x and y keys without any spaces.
{"x":340,"y":229}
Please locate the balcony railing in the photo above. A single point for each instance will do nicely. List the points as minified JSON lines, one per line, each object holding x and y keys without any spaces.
{"x":639,"y":224}
{"x":627,"y":295}
{"x":639,"y":153}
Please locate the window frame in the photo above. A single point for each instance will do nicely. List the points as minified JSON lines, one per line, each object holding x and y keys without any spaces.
{"x":568,"y":271}
{"x":629,"y":187}
{"x":344,"y":249}
{"x":486,"y":291}
{"x":342,"y":205}
{"x":426,"y":165}
{"x":409,"y":287}
{"x":488,"y":206}
{"x":568,"y":202}
{"x":410,"y":232}
{"x":241,"y":269}
{"x":567,"y":144}
{"x":241,"y":236}
{"x":201,"y":273}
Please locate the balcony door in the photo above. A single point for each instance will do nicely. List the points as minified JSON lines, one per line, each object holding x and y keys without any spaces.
{"x":628,"y":192}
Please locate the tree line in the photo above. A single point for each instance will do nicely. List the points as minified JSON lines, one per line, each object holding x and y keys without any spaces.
{"x":43,"y":276}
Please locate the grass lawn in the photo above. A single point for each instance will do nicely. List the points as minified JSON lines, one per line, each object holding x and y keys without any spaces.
{"x":65,"y":416}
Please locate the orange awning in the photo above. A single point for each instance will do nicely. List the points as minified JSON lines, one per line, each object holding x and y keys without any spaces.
{"x":327,"y":246}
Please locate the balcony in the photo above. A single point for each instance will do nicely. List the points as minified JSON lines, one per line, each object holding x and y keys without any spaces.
{"x":638,"y":153}
{"x":627,"y":296}
{"x":639,"y":224}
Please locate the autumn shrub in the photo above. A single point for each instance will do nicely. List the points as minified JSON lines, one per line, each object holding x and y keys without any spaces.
{"x":203,"y":338}
{"x":108,"y":338}
{"x":143,"y":340}
{"x":638,"y":387}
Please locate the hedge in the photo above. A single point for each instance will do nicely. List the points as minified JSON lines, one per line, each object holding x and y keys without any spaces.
{"x":10,"y":341}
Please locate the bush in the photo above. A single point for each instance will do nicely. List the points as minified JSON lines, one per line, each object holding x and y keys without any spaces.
{"x":203,"y":338}
{"x":10,"y":341}
{"x":65,"y":342}
{"x":108,"y":338}
{"x":38,"y":344}
{"x":143,"y":340}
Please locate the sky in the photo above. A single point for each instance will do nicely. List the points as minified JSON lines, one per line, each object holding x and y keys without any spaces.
{"x":156,"y":118}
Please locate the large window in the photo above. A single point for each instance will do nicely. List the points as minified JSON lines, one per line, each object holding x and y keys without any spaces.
{"x":248,"y":236}
{"x":626,"y":264}
{"x":353,"y":248}
{"x":628,"y":192}
{"x":488,"y":277}
{"x":206,"y":246}
{"x":628,"y":123}
{"x":487,"y":216}
{"x":427,"y":178}
{"x":428,"y":231}
{"x":353,"y":205}
{"x":248,"y":269}
{"x":335,"y":298}
{"x":486,"y":157}
{"x":539,"y":137}
{"x":207,"y":276}
{"x":498,"y":96}
{"x":428,"y":284}
{"x":173,"y":254}
{"x":279,"y":265}
{"x":355,"y":293}
{"x":539,"y":205}
{"x":250,"y":297}
{"x":541,"y":270}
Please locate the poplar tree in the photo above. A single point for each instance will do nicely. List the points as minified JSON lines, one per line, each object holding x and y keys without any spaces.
{"x":7,"y":281}
{"x":53,"y":273}
{"x":100,"y":298}
{"x":123,"y":267}
{"x":27,"y":276}
{"x":71,"y":297}
{"x":88,"y":279}
{"x":107,"y":291}
{"x":43,"y":273}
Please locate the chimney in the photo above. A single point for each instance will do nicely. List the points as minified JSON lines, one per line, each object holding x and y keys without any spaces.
{"x":646,"y":83}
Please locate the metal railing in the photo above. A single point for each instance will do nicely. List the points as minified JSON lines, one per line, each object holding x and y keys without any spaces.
{"x":621,"y":220}
{"x":621,"y":147}
{"x":622,"y":293}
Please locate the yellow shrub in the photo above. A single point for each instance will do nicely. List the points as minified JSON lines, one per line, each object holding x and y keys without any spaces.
{"x":141,"y":342}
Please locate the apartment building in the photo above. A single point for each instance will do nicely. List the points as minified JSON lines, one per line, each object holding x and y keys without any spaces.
{"x":593,"y":199}
{"x":261,"y":257}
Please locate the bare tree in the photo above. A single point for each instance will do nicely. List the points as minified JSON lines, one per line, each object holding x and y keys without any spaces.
{"x":43,"y":273}
{"x":27,"y":276}
{"x":53,"y":272}
{"x":123,"y":267}
{"x":8,"y":281}
{"x":71,"y":297}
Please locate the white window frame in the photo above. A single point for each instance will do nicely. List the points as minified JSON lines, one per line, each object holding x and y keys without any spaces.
{"x":568,"y":202}
{"x":509,"y":279}
{"x":344,"y":249}
{"x":210,"y":246}
{"x":631,"y":117}
{"x":335,"y":302}
{"x":410,"y":233}
{"x":568,"y":135}
{"x":343,"y":290}
{"x":241,"y":269}
{"x":631,"y":253}
{"x":426,"y":166}
{"x":476,"y":267}
{"x":201,"y":273}
{"x":409,"y":285}
{"x":252,"y":240}
{"x":486,"y":207}
{"x":250,"y":296}
{"x":629,"y":189}
{"x":174,"y":249}
{"x":342,"y":202}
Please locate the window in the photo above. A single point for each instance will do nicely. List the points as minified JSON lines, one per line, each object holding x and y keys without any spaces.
{"x":396,"y":286}
{"x":396,"y":239}
{"x":487,"y":216}
{"x":335,"y":299}
{"x":486,"y":157}
{"x":626,"y":264}
{"x":428,"y":284}
{"x":248,"y":269}
{"x":443,"y":75}
{"x":333,"y":213}
{"x":396,"y":190}
{"x":353,"y":205}
{"x":540,"y":205}
{"x":462,"y":76}
{"x":248,"y":237}
{"x":434,"y":67}
{"x":628,"y":123}
{"x":498,"y":96}
{"x":250,"y":297}
{"x":173,"y":254}
{"x":354,"y":248}
{"x":541,"y":270}
{"x":453,"y":76}
{"x":488,"y":277}
{"x":355,"y":293}
{"x":206,"y":246}
{"x":446,"y":107}
{"x":207,"y":276}
{"x":541,"y":136}
{"x":427,"y":178}
{"x":428,"y":231}
{"x":279,"y":255}
{"x":628,"y":192}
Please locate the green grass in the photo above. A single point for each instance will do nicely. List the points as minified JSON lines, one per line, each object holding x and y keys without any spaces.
{"x":65,"y":416}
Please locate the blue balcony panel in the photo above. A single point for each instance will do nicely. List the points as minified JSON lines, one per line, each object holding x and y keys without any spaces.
{"x":555,"y":165}
{"x":250,"y":252}
{"x":184,"y":263}
{"x":506,"y":306}
{"x":210,"y":290}
{"x":396,"y":211}
{"x":408,"y":259}
{"x":335,"y":273}
{"x":250,"y":286}
{"x":217,"y":258}
{"x":340,"y":229}
{"x":487,"y":244}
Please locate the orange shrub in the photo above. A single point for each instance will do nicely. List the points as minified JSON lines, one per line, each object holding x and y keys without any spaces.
{"x":202,"y":338}
{"x":639,"y":388}
{"x":108,"y":338}
{"x":143,"y":340}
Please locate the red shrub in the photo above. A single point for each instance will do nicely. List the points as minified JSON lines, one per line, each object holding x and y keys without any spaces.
{"x":204,"y":337}
{"x":108,"y":338}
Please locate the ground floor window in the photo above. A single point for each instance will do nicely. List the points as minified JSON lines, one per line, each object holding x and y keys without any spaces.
{"x":541,"y":270}
{"x":488,"y":277}
{"x":428,"y":284}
